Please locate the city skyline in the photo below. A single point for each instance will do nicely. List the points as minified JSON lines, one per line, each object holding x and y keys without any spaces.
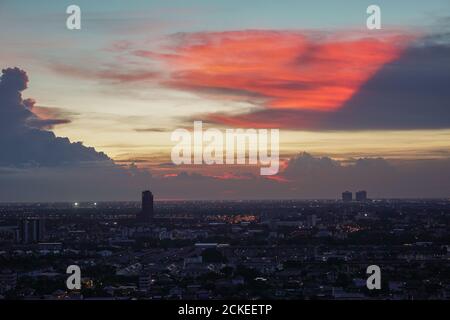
{"x":208,"y":251}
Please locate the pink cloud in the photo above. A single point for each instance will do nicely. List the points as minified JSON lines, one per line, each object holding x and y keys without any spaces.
{"x":288,"y":69}
{"x":276,"y":70}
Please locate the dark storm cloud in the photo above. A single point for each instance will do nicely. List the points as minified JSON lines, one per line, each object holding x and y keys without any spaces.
{"x":22,"y":140}
{"x":410,"y":93}
{"x":35,"y":165}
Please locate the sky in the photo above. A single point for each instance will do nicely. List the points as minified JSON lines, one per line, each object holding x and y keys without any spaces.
{"x":96,"y":107}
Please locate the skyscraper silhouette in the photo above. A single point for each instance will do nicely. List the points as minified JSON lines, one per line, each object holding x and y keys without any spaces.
{"x":146,"y":214}
{"x":347,"y":196}
{"x":32,"y":230}
{"x":361,"y":195}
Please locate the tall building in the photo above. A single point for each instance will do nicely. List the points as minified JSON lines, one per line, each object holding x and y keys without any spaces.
{"x":146,"y":214}
{"x":32,"y":230}
{"x":361,"y":195}
{"x":347,"y":196}
{"x":311,"y":220}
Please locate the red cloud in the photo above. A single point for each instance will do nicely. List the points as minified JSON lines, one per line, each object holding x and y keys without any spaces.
{"x":277,"y":69}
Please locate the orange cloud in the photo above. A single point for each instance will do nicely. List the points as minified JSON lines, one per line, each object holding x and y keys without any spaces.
{"x":278,"y":69}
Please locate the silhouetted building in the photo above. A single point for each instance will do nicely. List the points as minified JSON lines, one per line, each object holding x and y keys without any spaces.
{"x":146,"y":214}
{"x":347,"y":196}
{"x":311,"y":220}
{"x":145,"y":282}
{"x":8,"y":280}
{"x":32,"y":230}
{"x":361,"y":195}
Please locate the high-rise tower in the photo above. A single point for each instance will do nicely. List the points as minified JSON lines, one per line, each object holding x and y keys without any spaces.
{"x":347,"y":196}
{"x":146,"y":214}
{"x":361,"y":195}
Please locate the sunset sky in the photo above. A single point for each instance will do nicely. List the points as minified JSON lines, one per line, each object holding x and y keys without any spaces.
{"x":137,"y":70}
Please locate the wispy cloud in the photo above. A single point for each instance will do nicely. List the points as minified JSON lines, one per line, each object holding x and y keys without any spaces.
{"x":151,"y":130}
{"x":115,"y":75}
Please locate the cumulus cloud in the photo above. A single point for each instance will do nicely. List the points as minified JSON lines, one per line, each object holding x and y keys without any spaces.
{"x":382,"y":178}
{"x":36,"y":165}
{"x":326,"y":177}
{"x":22,"y":138}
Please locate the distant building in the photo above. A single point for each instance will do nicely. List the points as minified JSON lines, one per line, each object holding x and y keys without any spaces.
{"x":50,"y":246}
{"x":32,"y":230}
{"x":9,"y":233}
{"x":312,"y":220}
{"x":8,"y":280}
{"x":146,"y":214}
{"x":347,"y":196}
{"x":145,"y":282}
{"x":361,"y":195}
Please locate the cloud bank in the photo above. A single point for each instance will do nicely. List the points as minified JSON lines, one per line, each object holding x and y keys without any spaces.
{"x":36,"y":165}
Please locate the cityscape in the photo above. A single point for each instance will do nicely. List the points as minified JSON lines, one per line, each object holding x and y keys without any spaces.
{"x":224,"y":157}
{"x":203,"y":250}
